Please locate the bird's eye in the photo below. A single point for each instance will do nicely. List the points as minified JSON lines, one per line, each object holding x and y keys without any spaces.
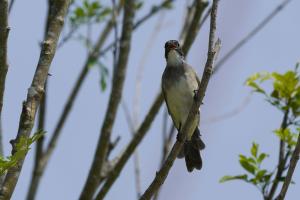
{"x":177,"y":44}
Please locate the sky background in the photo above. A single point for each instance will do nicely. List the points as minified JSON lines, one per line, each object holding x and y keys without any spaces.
{"x":275,"y":48}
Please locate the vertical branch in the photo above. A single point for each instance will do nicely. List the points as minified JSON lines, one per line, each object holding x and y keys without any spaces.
{"x":288,"y":178}
{"x":4,"y":29}
{"x":35,"y":92}
{"x":281,"y":159}
{"x":162,"y":174}
{"x":138,"y":136}
{"x":194,"y":25}
{"x":92,"y":181}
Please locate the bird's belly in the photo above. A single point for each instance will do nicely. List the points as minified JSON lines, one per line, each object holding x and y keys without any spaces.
{"x":180,"y":99}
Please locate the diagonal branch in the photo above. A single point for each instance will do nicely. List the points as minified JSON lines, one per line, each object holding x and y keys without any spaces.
{"x":251,"y":34}
{"x":162,"y":174}
{"x":92,"y":181}
{"x":35,"y":91}
{"x":288,"y":178}
{"x":140,"y":133}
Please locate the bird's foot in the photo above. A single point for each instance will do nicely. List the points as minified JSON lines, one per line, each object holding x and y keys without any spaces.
{"x":179,"y":137}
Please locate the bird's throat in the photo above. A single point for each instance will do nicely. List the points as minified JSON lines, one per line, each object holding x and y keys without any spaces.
{"x":174,"y":59}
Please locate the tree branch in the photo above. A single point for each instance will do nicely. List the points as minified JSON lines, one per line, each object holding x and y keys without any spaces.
{"x":162,"y":174}
{"x":139,"y":135}
{"x":288,"y":178}
{"x":281,"y":159}
{"x":35,"y":92}
{"x":4,"y":30}
{"x":251,"y":34}
{"x":92,"y":181}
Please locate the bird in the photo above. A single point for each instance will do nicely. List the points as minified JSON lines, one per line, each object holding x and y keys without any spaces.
{"x":179,"y":84}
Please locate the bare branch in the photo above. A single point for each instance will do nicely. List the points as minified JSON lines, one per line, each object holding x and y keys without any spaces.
{"x":11,"y":3}
{"x":288,"y":178}
{"x":281,"y":159}
{"x":139,"y":135}
{"x":153,"y":11}
{"x":114,"y":100}
{"x":194,"y":26}
{"x":35,"y":91}
{"x":4,"y":30}
{"x":162,"y":174}
{"x":252,"y":33}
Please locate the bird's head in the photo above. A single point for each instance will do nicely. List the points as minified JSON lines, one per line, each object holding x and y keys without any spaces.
{"x":173,"y":51}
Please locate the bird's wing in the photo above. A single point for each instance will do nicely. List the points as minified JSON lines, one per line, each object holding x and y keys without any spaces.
{"x":165,"y":97}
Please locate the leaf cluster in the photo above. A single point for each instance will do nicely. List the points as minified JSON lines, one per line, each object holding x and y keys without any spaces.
{"x":89,"y":12}
{"x":21,"y":148}
{"x":255,"y":175}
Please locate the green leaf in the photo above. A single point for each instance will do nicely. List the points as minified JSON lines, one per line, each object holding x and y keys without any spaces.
{"x":230,"y":178}
{"x":261,"y":157}
{"x":254,"y":149}
{"x":248,"y":166}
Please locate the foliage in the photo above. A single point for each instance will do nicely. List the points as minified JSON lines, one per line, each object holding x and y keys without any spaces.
{"x":21,"y":149}
{"x":89,"y":12}
{"x":285,"y":96}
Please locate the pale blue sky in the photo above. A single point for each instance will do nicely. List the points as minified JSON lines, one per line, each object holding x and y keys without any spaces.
{"x":276,"y":48}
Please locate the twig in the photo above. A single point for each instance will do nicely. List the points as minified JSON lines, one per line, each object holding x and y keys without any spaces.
{"x":4,"y":30}
{"x":136,"y":159}
{"x":281,"y":159}
{"x":139,"y":135}
{"x":252,"y":33}
{"x":11,"y":3}
{"x":200,"y":6}
{"x":35,"y":92}
{"x":115,"y":51}
{"x":168,"y":138}
{"x":36,"y":173}
{"x":92,"y":181}
{"x":229,"y":114}
{"x":67,"y":37}
{"x":153,"y":11}
{"x":162,"y":174}
{"x":288,"y":178}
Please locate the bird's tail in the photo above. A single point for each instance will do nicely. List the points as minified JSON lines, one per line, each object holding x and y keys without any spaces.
{"x":191,"y":152}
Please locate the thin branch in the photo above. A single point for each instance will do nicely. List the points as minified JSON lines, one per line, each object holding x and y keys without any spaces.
{"x":139,"y":135}
{"x":281,"y":159}
{"x":136,"y":158}
{"x":11,"y":3}
{"x":152,"y":12}
{"x":115,"y":51}
{"x":200,"y":7}
{"x":162,"y":174}
{"x":229,"y":114}
{"x":251,"y":34}
{"x":168,"y":138}
{"x":35,"y":92}
{"x":288,"y":178}
{"x":4,"y":30}
{"x":36,"y":173}
{"x":92,"y":181}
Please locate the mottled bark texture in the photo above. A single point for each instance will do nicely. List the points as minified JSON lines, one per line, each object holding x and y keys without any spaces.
{"x":35,"y":91}
{"x":94,"y":176}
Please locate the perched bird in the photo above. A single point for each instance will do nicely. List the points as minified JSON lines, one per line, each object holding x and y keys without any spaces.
{"x":179,"y":84}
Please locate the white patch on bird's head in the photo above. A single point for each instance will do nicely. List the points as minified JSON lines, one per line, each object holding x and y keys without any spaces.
{"x":174,"y":58}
